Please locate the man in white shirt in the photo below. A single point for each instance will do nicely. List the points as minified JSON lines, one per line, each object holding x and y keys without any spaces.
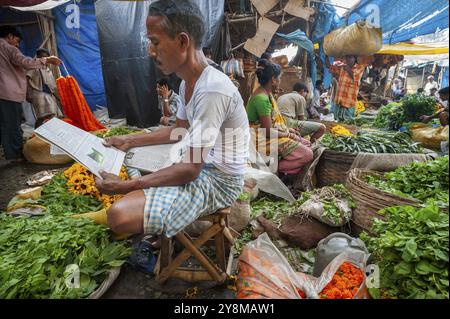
{"x":430,"y":85}
{"x":211,"y":176}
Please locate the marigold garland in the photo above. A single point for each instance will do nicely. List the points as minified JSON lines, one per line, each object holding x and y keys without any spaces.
{"x":75,"y":105}
{"x":81,"y":181}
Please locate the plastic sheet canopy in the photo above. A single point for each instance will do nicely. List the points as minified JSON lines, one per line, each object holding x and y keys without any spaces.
{"x":129,"y":73}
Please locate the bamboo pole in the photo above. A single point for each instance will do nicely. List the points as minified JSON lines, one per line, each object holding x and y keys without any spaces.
{"x":305,"y":55}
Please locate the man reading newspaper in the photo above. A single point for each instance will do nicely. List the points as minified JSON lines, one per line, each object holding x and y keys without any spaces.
{"x":213,"y":114}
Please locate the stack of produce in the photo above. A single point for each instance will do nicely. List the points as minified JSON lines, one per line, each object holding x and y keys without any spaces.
{"x":329,"y":206}
{"x":81,"y":181}
{"x":390,"y":116}
{"x":411,"y":245}
{"x":75,"y":105}
{"x":328,"y":196}
{"x":420,"y":180}
{"x":416,"y":105}
{"x":372,"y":142}
{"x":35,"y":253}
{"x":411,"y":250}
{"x":339,"y":130}
{"x":394,"y":115}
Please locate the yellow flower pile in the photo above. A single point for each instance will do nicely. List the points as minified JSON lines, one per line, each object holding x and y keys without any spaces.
{"x":81,"y":181}
{"x":339,"y":130}
{"x":360,"y":107}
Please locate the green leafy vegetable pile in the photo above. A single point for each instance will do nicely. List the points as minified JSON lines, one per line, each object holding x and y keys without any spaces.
{"x":34,"y":254}
{"x":420,"y":180}
{"x":411,"y":249}
{"x":372,"y":142}
{"x":278,"y":210}
{"x":416,"y":105}
{"x":390,"y":116}
{"x":59,"y":201}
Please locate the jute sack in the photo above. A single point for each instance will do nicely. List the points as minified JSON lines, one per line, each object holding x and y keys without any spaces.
{"x":37,"y":151}
{"x":357,"y":39}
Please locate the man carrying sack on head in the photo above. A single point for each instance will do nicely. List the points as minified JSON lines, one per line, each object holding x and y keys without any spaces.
{"x":211,"y":175}
{"x":349,"y":80}
{"x":13,"y":89}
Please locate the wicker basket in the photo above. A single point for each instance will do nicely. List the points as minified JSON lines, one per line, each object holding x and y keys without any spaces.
{"x":333,"y":167}
{"x":369,"y":200}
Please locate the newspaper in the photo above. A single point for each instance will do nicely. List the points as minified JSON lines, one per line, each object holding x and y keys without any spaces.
{"x":83,"y":147}
{"x":153,"y":158}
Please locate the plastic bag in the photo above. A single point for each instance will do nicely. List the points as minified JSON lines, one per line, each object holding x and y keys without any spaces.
{"x":264,"y":273}
{"x":429,"y":137}
{"x":357,"y":39}
{"x":315,"y":208}
{"x":356,"y":258}
{"x":331,"y":247}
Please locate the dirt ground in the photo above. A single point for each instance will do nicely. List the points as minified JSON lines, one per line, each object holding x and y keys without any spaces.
{"x":131,"y":284}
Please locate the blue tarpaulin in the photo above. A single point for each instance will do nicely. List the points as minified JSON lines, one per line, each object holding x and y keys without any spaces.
{"x":79,"y":50}
{"x":326,"y":21}
{"x":403,"y":20}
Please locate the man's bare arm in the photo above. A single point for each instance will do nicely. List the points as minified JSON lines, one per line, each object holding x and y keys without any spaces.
{"x":166,"y":135}
{"x":176,"y":175}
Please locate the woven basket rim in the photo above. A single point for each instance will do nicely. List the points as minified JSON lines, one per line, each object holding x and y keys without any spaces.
{"x":358,"y":173}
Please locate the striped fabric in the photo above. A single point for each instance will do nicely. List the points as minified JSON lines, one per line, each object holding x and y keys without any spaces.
{"x":169,"y":210}
{"x":234,"y":67}
{"x":348,"y":88}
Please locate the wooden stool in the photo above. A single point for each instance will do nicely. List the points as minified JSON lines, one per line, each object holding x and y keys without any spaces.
{"x":171,"y":268}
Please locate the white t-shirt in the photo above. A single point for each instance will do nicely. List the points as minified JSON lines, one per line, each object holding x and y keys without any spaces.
{"x":429,"y":86}
{"x":218,"y":120}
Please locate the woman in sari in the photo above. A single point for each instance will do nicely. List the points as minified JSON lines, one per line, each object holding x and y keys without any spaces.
{"x":272,"y":134}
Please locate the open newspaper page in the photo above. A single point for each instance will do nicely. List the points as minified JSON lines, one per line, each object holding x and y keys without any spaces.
{"x":153,"y":158}
{"x":82,"y":146}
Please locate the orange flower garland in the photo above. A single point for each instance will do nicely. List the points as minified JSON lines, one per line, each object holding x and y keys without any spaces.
{"x":75,"y":105}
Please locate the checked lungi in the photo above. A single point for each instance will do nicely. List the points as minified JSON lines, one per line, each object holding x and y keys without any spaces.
{"x":168,"y":210}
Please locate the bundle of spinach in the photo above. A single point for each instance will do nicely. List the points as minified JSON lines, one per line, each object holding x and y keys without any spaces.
{"x":416,"y":105}
{"x":411,"y":249}
{"x":59,"y":201}
{"x":420,"y":180}
{"x":372,"y":142}
{"x":35,"y":253}
{"x":390,"y":116}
